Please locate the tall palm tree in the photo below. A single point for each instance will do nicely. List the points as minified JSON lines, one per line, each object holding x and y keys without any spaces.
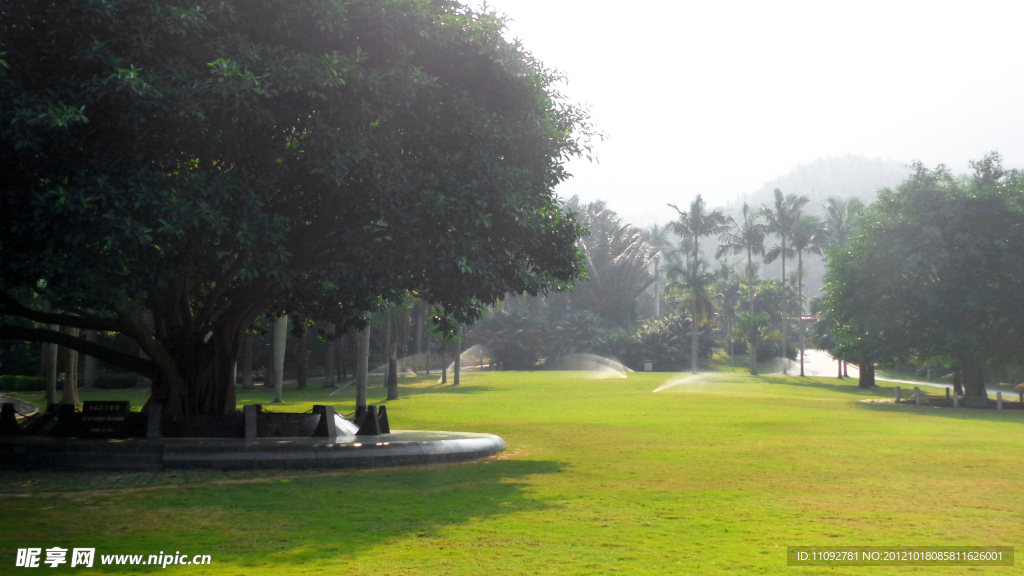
{"x":782,"y":218}
{"x":694,"y":224}
{"x":808,"y":237}
{"x":839,"y":215}
{"x":729,"y":292}
{"x":657,"y":237}
{"x":747,"y":237}
{"x":695,"y":281}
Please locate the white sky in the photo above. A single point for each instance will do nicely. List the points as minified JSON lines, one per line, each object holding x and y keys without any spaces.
{"x":718,"y":98}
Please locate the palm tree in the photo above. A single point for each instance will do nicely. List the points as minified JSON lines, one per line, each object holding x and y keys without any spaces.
{"x":695,"y":281}
{"x":657,"y":237}
{"x":729,"y":292}
{"x":839,"y":215}
{"x":618,"y":263}
{"x":782,"y":218}
{"x":808,"y":237}
{"x":755,"y":329}
{"x":749,"y":238}
{"x":695,"y":224}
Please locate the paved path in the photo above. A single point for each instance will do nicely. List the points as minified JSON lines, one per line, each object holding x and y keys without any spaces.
{"x":820,"y":363}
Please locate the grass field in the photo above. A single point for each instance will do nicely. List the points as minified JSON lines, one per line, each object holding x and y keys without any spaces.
{"x":715,"y":475}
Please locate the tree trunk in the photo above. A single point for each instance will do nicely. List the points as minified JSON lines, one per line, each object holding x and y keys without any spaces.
{"x":426,"y":356}
{"x":972,"y":377}
{"x":458,"y":357}
{"x":148,"y":323}
{"x":50,"y":357}
{"x":69,"y":394}
{"x":867,"y":373}
{"x":800,"y":303}
{"x":750,"y":289}
{"x":657,"y":286}
{"x":89,"y":364}
{"x":840,"y":363}
{"x":339,"y":355}
{"x":362,"y":366}
{"x":246,"y":345}
{"x":693,"y":341}
{"x":392,"y":349}
{"x":302,"y":361}
{"x":388,"y":334}
{"x":958,"y":385}
{"x":785,"y":315}
{"x":330,"y":357}
{"x":342,"y":356}
{"x":846,"y":368}
{"x":202,"y":385}
{"x":444,"y":361}
{"x":418,"y":313}
{"x":280,"y":341}
{"x":140,"y":380}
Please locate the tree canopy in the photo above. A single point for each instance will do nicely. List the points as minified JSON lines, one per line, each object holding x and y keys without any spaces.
{"x":174,"y":170}
{"x":935,"y":268}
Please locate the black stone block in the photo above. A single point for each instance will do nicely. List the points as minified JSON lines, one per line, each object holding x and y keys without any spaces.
{"x":369,"y":425}
{"x":325,"y":428}
{"x":382,"y":418}
{"x":67,"y":421}
{"x":8,"y":421}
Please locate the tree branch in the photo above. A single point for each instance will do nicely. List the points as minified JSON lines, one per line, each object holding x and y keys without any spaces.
{"x":220,"y":288}
{"x":11,"y":307}
{"x":127,"y":361}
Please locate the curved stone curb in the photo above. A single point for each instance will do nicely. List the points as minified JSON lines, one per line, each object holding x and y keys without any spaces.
{"x":401,"y":447}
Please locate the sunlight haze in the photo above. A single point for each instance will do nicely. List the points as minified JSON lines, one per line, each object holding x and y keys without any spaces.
{"x":719,"y":98}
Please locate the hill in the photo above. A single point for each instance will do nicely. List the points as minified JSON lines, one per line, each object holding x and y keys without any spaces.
{"x":847,"y":176}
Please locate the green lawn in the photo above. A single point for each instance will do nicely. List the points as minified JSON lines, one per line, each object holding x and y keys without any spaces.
{"x":716,"y":475}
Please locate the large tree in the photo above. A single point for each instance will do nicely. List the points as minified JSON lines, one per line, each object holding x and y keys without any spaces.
{"x":174,"y":170}
{"x":935,"y":268}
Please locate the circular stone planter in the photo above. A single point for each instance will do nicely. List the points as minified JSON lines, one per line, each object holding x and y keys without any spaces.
{"x":401,"y":447}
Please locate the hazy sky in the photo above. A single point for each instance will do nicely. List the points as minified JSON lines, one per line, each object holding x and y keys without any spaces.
{"x":717,"y":98}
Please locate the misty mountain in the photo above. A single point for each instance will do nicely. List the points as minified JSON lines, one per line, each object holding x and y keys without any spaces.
{"x":847,"y":176}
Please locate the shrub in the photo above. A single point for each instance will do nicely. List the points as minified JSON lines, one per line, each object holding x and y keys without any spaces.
{"x":22,"y":383}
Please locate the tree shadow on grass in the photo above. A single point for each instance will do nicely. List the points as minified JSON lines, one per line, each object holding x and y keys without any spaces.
{"x":1015,"y":415}
{"x":835,"y":385}
{"x":282,"y":520}
{"x":443,"y":389}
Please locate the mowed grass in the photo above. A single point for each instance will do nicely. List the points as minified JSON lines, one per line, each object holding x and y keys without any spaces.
{"x":714,"y":475}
